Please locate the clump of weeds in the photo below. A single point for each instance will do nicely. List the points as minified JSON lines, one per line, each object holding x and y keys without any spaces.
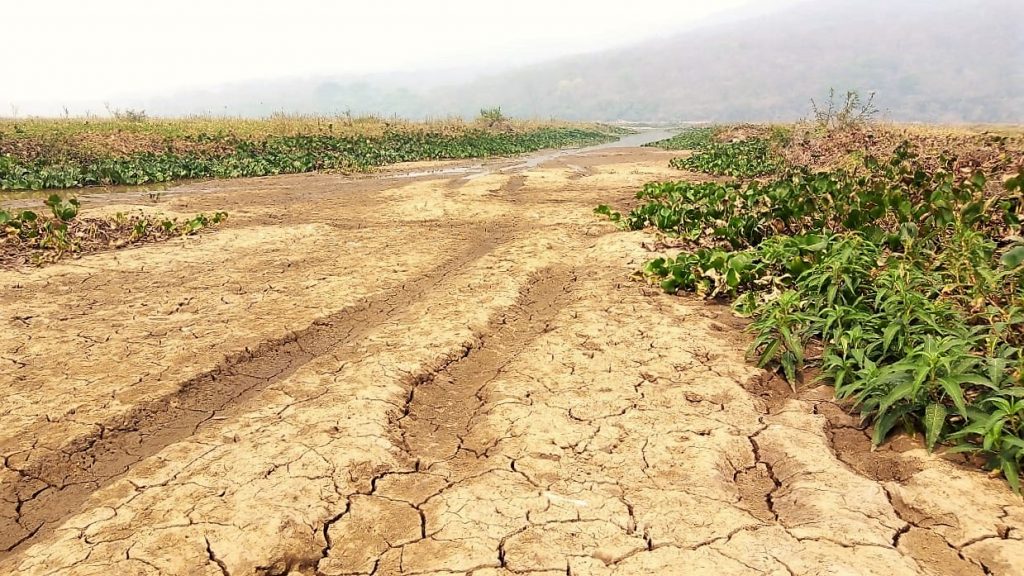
{"x":30,"y":238}
{"x":907,"y":273}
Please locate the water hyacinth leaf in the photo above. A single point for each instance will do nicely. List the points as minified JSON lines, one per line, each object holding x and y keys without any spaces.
{"x":42,"y":239}
{"x":1013,"y":257}
{"x":978,"y":178}
{"x":262,"y":154}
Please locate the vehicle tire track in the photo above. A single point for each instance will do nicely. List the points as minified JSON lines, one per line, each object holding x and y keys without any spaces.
{"x":433,"y":431}
{"x":51,"y":486}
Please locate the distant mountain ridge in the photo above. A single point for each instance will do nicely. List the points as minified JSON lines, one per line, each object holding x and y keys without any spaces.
{"x":928,"y":60}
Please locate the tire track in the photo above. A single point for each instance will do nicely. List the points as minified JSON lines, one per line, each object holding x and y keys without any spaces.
{"x":51,"y":486}
{"x":440,"y":409}
{"x":433,"y":432}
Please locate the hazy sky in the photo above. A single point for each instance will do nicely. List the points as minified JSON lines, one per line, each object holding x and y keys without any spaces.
{"x":66,"y":51}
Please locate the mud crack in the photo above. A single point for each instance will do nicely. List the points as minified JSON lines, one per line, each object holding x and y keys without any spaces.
{"x":437,"y":418}
{"x":51,"y":485}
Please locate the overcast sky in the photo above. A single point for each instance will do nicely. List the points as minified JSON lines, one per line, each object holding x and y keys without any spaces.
{"x":67,"y":51}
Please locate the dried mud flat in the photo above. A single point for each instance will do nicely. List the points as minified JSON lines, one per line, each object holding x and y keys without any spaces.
{"x":449,"y":374}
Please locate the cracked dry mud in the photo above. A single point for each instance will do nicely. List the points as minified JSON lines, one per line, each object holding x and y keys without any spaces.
{"x":437,"y":375}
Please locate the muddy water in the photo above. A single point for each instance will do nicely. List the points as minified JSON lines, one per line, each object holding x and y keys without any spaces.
{"x":16,"y":198}
{"x":532,"y":160}
{"x":631,"y":141}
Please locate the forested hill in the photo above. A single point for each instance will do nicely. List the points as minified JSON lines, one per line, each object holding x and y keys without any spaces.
{"x":945,"y":60}
{"x":928,"y":60}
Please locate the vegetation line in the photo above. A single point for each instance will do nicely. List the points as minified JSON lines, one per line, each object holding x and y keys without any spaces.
{"x":42,"y":154}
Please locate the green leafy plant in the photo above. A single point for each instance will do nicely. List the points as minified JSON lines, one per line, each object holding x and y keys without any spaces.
{"x":605,"y":210}
{"x":63,"y":210}
{"x":907,"y":274}
{"x":25,"y":237}
{"x":16,"y":222}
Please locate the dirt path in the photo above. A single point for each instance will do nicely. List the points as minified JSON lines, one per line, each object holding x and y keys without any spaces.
{"x":445,"y":374}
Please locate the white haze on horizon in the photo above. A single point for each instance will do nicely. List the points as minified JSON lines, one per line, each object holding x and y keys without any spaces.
{"x":79,"y":54}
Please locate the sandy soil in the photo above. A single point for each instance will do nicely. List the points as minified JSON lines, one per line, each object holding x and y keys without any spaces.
{"x":446,"y":374}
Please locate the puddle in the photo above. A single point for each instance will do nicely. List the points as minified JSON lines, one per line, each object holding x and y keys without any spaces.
{"x":454,"y":170}
{"x":536,"y":159}
{"x":630,"y":141}
{"x":532,"y":160}
{"x":28,"y":198}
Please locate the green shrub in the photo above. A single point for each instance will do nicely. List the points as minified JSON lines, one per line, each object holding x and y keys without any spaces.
{"x":746,"y":158}
{"x":910,"y":277}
